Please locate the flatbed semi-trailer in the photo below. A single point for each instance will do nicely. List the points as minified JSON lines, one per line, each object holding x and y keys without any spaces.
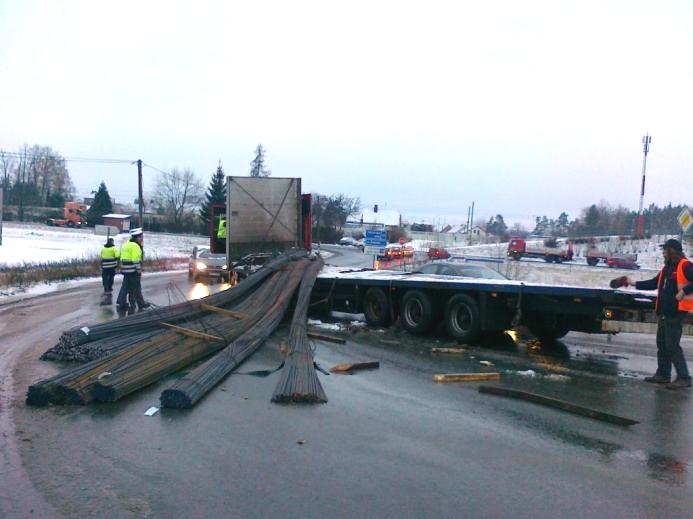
{"x":467,"y":307}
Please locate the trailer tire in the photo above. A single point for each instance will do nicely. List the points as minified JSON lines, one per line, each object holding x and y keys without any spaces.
{"x":416,"y":312}
{"x":70,"y":224}
{"x":558,"y":259}
{"x":547,"y":332}
{"x":592,"y":262}
{"x":462,"y":318}
{"x":376,"y":307}
{"x":548,"y":259}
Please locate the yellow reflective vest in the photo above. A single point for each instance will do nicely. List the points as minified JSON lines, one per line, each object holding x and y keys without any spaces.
{"x":130,"y":257}
{"x":109,"y":257}
{"x":221,"y":232}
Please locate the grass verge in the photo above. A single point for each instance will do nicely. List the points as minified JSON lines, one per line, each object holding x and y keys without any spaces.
{"x":22,"y":276}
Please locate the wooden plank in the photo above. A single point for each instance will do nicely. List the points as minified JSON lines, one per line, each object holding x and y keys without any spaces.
{"x":223,"y":311}
{"x":193,"y":333}
{"x":558,"y":404}
{"x":347,"y":368}
{"x":448,"y":350}
{"x":465,"y":377}
{"x":328,"y":338}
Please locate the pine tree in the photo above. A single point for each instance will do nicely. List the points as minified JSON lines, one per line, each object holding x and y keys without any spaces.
{"x":216,"y":193}
{"x":102,"y":205}
{"x":257,"y":166}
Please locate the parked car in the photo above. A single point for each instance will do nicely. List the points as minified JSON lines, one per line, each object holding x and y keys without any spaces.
{"x":623,"y":262}
{"x":206,"y":265}
{"x":250,"y":263}
{"x":351,"y":242}
{"x":465,"y":270}
{"x":438,"y":253}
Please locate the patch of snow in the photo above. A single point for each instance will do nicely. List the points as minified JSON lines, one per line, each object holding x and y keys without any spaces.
{"x":530,"y":373}
{"x":344,"y":316}
{"x":24,"y":244}
{"x":554,"y":377}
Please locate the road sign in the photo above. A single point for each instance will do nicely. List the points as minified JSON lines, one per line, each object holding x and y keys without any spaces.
{"x":106,"y":230}
{"x":685,"y":219}
{"x":373,"y":249}
{"x":376,"y":238}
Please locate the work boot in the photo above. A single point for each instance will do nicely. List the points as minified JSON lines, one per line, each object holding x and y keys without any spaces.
{"x":657,"y":379}
{"x":679,"y":383}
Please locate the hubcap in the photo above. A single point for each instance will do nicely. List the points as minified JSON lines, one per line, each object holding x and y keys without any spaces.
{"x":461,"y":318}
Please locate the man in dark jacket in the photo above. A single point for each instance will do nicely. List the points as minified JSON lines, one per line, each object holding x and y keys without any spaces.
{"x":674,"y":285}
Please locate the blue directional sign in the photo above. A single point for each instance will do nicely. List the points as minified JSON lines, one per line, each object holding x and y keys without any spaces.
{"x":375,"y":242}
{"x":376,"y":238}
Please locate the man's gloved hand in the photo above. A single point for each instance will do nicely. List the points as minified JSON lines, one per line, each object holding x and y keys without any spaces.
{"x":619,"y":282}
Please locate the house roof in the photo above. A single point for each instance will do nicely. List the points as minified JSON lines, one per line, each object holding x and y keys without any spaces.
{"x":115,"y":215}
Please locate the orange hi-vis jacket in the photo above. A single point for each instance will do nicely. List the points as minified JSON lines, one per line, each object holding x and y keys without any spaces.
{"x":686,"y":304}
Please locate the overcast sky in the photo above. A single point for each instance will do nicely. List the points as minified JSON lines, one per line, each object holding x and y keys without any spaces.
{"x":525,"y":107}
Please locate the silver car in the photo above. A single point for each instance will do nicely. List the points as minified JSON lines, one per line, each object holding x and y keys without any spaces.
{"x":205,"y":265}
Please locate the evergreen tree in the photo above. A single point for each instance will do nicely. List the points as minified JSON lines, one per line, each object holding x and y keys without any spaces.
{"x":102,"y":205}
{"x":257,"y":166}
{"x":216,"y":193}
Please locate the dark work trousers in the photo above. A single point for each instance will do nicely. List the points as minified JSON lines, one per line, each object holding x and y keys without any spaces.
{"x":669,"y":350}
{"x":107,"y":276}
{"x":136,"y":291}
{"x":125,"y":289}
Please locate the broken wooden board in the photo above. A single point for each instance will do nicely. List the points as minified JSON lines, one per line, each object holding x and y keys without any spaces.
{"x":347,"y":368}
{"x":328,"y":338}
{"x":558,"y":404}
{"x":193,"y":333}
{"x":465,"y":377}
{"x":448,"y":350}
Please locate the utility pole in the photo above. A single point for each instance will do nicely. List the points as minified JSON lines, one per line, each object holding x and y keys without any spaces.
{"x":640,"y":230}
{"x":141,"y":196}
{"x":471,"y":224}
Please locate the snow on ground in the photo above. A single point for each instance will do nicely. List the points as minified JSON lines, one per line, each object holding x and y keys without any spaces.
{"x":27,"y":243}
{"x":11,"y":294}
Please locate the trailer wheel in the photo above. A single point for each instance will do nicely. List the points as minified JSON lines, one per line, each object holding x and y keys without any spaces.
{"x":558,"y":259}
{"x":71,"y":224}
{"x":547,"y":331}
{"x":376,"y":307}
{"x":592,"y":262}
{"x":416,"y":312}
{"x":462,"y":318}
{"x":548,"y":259}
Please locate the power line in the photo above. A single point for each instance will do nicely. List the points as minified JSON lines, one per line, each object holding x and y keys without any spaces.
{"x":155,"y":169}
{"x":20,"y":155}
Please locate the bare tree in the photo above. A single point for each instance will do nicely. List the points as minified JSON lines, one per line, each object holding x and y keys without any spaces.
{"x":8,"y":163}
{"x":178,"y":193}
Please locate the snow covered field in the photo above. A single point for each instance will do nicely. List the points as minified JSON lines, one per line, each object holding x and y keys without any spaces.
{"x":27,"y":243}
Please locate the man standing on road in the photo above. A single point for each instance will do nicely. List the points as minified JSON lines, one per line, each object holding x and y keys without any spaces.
{"x":109,"y":262}
{"x":674,"y":285}
{"x":131,"y":266}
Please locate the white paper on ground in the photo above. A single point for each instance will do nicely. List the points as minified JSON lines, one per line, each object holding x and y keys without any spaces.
{"x":151,"y":411}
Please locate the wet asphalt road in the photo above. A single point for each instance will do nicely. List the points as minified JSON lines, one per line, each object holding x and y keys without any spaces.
{"x":389,"y":443}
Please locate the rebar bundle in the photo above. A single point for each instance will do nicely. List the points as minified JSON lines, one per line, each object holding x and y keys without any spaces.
{"x":152,"y":319}
{"x":299,"y":381}
{"x":157,"y":353}
{"x":191,"y":388}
